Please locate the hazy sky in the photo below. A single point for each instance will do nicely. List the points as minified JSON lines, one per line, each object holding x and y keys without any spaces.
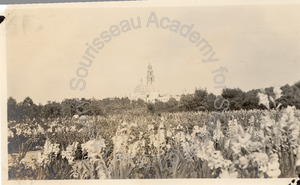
{"x":259,"y":45}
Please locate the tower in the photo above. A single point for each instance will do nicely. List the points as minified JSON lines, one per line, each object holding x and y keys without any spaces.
{"x":150,"y":76}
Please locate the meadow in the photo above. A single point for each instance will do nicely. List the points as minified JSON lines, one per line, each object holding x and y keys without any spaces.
{"x":241,"y":144}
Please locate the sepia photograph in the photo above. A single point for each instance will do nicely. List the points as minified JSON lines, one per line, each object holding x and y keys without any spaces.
{"x":96,"y":91}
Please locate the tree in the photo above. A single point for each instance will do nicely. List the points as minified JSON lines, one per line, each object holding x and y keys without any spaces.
{"x":290,"y":95}
{"x":251,"y":100}
{"x":12,"y":109}
{"x":51,"y":110}
{"x":235,"y":97}
{"x":187,"y":102}
{"x":28,"y":109}
{"x":210,"y":100}
{"x":172,"y":104}
{"x":68,"y":107}
{"x":151,"y":108}
{"x":95,"y":107}
{"x":200,"y":100}
{"x":159,"y":106}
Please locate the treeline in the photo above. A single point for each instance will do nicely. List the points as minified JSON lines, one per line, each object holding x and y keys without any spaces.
{"x":201,"y":100}
{"x":27,"y":109}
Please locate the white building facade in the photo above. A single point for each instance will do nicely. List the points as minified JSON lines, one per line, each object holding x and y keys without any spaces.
{"x":148,"y":91}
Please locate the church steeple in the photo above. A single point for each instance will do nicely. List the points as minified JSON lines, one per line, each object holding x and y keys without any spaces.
{"x":150,"y":75}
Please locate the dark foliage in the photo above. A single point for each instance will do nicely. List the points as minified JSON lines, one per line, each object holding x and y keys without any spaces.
{"x":201,"y":100}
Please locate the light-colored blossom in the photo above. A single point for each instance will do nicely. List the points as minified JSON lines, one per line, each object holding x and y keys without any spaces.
{"x":263,"y":99}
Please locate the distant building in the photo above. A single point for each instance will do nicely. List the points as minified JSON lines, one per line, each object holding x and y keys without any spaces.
{"x":148,"y":91}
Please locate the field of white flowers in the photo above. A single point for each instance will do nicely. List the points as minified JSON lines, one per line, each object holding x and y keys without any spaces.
{"x":242,"y":144}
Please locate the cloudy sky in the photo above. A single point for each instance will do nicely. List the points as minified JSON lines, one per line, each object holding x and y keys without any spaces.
{"x":259,"y":46}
